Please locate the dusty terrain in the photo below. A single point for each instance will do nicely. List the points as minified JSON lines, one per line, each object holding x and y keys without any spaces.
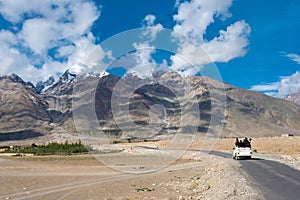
{"x":83,"y":177}
{"x":140,"y":171}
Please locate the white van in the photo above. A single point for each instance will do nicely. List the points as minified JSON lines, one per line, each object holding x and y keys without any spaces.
{"x":241,"y":152}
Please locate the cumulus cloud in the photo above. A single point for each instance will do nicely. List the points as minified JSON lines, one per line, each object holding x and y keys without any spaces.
{"x":38,"y":35}
{"x":11,"y":58}
{"x":40,"y":28}
{"x":289,"y":84}
{"x":140,"y":62}
{"x":286,"y":84}
{"x":87,"y":57}
{"x":145,"y":64}
{"x":230,"y":44}
{"x":47,"y":37}
{"x":195,"y":16}
{"x":193,"y":50}
{"x":152,"y":29}
{"x":192,"y":21}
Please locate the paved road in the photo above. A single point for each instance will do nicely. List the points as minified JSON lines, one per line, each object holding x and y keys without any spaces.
{"x":276,"y":181}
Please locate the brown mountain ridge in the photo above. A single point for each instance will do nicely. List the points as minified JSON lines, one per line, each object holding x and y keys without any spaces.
{"x":26,"y":114}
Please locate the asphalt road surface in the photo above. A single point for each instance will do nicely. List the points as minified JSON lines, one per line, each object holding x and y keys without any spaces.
{"x":276,"y":181}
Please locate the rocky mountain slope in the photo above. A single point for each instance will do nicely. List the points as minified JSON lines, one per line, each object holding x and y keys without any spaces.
{"x":251,"y":113}
{"x":23,"y":112}
{"x":125,"y":106}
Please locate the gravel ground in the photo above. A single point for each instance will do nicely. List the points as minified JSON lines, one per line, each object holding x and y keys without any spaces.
{"x":221,"y":179}
{"x":86,"y":178}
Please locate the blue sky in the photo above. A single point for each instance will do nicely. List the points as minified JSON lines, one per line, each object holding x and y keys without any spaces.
{"x":254,"y":44}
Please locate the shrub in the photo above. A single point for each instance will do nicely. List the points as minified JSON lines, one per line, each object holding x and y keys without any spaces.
{"x":52,"y":148}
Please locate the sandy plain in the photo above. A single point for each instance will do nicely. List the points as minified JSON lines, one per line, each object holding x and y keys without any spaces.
{"x":140,"y":171}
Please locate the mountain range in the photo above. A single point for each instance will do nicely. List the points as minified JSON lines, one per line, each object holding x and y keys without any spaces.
{"x":124,"y":106}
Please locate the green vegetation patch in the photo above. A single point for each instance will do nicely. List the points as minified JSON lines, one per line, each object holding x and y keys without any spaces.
{"x":52,"y":148}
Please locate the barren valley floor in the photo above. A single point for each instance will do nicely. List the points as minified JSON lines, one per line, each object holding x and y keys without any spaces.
{"x":124,"y":175}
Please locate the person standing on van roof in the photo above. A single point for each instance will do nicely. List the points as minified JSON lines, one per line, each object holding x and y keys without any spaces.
{"x":246,"y":142}
{"x":237,"y":142}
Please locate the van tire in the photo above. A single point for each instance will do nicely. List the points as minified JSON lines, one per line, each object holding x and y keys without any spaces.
{"x":236,"y":157}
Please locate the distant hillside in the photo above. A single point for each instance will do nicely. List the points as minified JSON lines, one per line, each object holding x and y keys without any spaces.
{"x":25,"y":114}
{"x":255,"y":114}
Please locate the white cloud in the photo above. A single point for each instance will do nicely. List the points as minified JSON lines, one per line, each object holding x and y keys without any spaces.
{"x":12,"y":60}
{"x":63,"y":29}
{"x":46,"y":25}
{"x":149,"y":20}
{"x":38,"y":35}
{"x":194,"y":51}
{"x":126,"y":61}
{"x":289,"y":84}
{"x":14,"y":10}
{"x":88,"y":57}
{"x":141,"y":62}
{"x":177,"y":2}
{"x":230,"y":44}
{"x":65,"y":51}
{"x":152,"y":29}
{"x":144,"y":63}
{"x":266,"y":87}
{"x":10,"y":57}
{"x":195,"y":16}
{"x":189,"y":56}
{"x":7,"y":37}
{"x":285,"y":86}
{"x":294,"y":57}
{"x":192,"y":21}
